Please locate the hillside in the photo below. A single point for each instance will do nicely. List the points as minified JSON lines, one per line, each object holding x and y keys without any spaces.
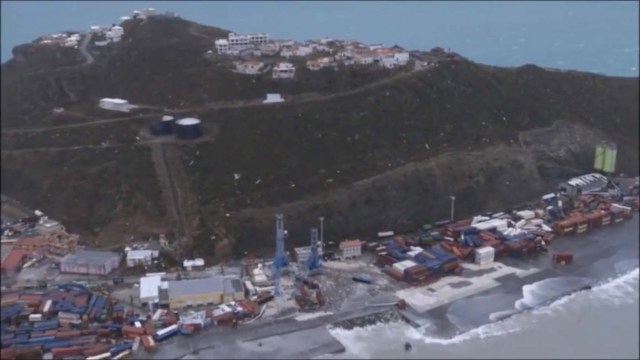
{"x":368,"y":150}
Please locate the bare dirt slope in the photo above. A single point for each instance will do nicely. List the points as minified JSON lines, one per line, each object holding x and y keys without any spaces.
{"x":371,"y":151}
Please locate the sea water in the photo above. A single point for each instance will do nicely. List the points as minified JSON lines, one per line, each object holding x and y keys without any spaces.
{"x":594,"y":36}
{"x":598,"y":323}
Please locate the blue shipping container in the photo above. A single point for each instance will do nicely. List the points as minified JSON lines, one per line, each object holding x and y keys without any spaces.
{"x":120,"y":348}
{"x":42,"y":339}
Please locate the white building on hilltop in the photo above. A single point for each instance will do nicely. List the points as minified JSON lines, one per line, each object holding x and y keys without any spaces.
{"x":249,"y":67}
{"x":284,"y":70}
{"x":235,"y":43}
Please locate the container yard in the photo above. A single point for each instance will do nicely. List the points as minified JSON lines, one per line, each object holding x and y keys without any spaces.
{"x":439,"y":263}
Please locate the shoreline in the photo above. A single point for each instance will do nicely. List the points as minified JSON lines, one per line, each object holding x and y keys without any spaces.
{"x":597,"y":259}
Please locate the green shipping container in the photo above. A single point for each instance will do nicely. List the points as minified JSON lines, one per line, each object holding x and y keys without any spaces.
{"x":610,"y":159}
{"x":598,"y":162}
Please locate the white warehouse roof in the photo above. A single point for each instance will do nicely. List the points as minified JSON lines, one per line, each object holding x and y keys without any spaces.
{"x":149,"y":287}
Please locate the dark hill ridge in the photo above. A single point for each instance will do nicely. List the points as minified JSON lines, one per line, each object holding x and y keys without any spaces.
{"x":369,"y":157}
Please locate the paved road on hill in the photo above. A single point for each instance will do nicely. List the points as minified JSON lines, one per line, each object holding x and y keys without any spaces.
{"x":303,"y":98}
{"x":83,"y":48}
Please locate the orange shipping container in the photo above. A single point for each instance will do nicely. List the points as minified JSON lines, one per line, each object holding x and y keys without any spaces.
{"x":148,"y":343}
{"x":68,"y":334}
{"x":132,"y":330}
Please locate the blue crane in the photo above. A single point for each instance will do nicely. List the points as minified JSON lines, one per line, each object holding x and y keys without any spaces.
{"x":279,"y":260}
{"x":313,"y":262}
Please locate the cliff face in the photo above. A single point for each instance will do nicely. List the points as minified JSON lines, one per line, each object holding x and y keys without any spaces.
{"x":368,"y":150}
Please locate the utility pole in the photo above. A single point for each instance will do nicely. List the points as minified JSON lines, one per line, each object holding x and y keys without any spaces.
{"x":453,"y":201}
{"x":321,"y":218}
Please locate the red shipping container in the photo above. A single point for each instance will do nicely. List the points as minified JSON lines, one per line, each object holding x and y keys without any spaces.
{"x":68,"y":334}
{"x":7,"y":353}
{"x":66,"y":351}
{"x":132,"y":330}
{"x":148,"y":343}
{"x":95,"y":350}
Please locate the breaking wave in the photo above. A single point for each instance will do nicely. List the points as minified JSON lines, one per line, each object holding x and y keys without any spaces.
{"x":545,"y":291}
{"x":364,"y":342}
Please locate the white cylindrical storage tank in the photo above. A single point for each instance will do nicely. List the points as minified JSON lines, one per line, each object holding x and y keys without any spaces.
{"x":188,"y":128}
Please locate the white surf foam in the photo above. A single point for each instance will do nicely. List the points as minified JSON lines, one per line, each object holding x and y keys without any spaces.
{"x":615,"y":291}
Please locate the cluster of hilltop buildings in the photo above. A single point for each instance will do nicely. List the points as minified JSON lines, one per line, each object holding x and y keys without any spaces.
{"x":323,"y":53}
{"x":65,"y":40}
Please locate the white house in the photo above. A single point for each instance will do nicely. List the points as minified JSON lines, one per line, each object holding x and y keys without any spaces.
{"x":273,"y":98}
{"x":249,"y":67}
{"x":115,"y":104}
{"x":140,"y":257}
{"x":401,"y":57}
{"x":364,"y":58}
{"x":320,"y":63}
{"x":193,"y":264}
{"x":313,"y":65}
{"x":222,"y":46}
{"x":284,"y":70}
{"x":269,"y":49}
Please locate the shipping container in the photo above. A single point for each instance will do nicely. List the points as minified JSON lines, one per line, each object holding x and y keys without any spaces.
{"x":148,"y":343}
{"x":362,"y":278}
{"x":166,"y":333}
{"x":117,"y":349}
{"x":123,"y":355}
{"x":564,"y":227}
{"x":132,"y":330}
{"x":66,"y":351}
{"x":96,"y":350}
{"x":563,"y":258}
{"x":105,"y":355}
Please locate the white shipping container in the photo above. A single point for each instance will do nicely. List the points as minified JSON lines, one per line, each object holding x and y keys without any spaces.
{"x":123,"y":354}
{"x":106,"y":355}
{"x":535,"y":222}
{"x":166,"y":330}
{"x":136,"y":344}
{"x":484,"y":255}
{"x":47,"y":306}
{"x":157,"y":314}
{"x":35,"y":317}
{"x":526,"y":214}
{"x":383,"y":234}
{"x":138,"y":324}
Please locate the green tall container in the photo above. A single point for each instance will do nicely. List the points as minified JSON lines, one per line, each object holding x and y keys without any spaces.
{"x":610,"y":154}
{"x":598,"y":162}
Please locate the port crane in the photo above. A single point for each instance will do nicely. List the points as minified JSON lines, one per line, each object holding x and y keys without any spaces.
{"x":313,"y":264}
{"x":279,"y":260}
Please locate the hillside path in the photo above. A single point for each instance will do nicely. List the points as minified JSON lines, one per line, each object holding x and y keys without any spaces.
{"x":300,"y":99}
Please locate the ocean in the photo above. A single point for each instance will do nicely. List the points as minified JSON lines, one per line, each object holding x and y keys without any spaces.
{"x":600,"y":323}
{"x":592,"y":36}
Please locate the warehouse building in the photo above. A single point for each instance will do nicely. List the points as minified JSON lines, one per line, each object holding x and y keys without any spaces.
{"x":140,"y":257}
{"x":90,"y":262}
{"x":198,"y":292}
{"x":150,"y":288}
